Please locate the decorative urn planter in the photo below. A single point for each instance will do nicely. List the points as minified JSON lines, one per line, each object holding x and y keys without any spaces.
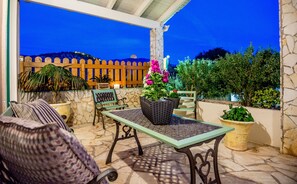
{"x":237,"y":139}
{"x":158,"y":112}
{"x":64,"y":109}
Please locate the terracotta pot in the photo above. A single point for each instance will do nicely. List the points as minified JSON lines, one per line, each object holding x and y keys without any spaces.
{"x":238,"y":138}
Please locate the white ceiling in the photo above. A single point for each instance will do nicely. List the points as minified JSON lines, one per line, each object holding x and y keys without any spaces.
{"x":144,"y":13}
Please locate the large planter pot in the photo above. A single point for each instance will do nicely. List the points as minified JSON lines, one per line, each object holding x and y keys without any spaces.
{"x":158,"y":112}
{"x":237,"y":139}
{"x":64,"y":109}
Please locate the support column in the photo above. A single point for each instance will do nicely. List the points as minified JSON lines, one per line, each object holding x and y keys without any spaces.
{"x":157,"y":45}
{"x":288,"y":41}
{"x":3,"y":20}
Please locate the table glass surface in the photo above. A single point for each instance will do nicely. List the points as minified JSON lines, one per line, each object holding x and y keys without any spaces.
{"x":179,"y":133}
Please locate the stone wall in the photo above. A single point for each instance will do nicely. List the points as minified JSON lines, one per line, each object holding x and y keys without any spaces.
{"x":288,"y":31}
{"x":157,"y":45}
{"x":82,"y":105}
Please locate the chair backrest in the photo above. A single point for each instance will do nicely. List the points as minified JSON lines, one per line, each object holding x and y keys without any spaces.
{"x":36,"y":153}
{"x":188,"y":95}
{"x":105,"y":96}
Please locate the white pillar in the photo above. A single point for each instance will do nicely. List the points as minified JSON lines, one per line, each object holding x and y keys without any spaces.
{"x":9,"y":13}
{"x":157,"y":45}
{"x":3,"y":51}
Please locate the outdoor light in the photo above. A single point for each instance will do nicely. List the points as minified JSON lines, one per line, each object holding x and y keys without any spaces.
{"x":116,"y":86}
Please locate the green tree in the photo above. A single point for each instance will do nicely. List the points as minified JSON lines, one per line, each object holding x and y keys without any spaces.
{"x":248,"y":72}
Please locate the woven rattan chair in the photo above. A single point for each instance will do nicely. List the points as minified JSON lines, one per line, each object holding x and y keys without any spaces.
{"x":35,"y":153}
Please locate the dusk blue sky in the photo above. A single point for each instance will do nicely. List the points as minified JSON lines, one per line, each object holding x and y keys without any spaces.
{"x":200,"y":26}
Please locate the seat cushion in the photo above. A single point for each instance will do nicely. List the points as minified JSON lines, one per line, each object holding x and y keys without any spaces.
{"x":40,"y":111}
{"x":37,"y":153}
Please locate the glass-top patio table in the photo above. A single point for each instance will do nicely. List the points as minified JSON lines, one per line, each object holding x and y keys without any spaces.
{"x":181,"y":133}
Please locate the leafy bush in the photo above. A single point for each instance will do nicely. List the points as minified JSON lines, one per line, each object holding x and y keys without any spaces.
{"x":199,"y":76}
{"x":237,"y":114}
{"x":267,"y":98}
{"x":173,"y":94}
{"x":243,"y":74}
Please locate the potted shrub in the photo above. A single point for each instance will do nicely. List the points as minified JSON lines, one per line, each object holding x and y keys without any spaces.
{"x":173,"y":96}
{"x":52,"y":79}
{"x":241,"y":120}
{"x":102,"y":81}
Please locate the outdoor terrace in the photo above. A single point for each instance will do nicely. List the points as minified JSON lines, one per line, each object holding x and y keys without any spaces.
{"x":162,"y":164}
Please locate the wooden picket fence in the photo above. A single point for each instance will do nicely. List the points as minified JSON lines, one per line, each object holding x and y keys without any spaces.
{"x":127,"y":74}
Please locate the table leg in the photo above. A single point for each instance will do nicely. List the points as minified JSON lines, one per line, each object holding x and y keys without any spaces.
{"x":204,"y":168}
{"x":140,"y":152}
{"x":127,"y":134}
{"x":116,"y":138}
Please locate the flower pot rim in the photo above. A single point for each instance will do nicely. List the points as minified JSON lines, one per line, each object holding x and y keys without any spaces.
{"x":236,"y":122}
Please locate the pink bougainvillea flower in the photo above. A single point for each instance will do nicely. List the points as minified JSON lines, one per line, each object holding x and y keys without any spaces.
{"x":147,"y":76}
{"x":165,"y":79}
{"x":149,"y":82}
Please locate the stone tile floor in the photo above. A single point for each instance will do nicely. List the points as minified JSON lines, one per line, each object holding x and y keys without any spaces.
{"x":162,"y":164}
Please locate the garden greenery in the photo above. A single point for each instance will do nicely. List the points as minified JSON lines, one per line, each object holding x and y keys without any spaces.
{"x":266,"y":98}
{"x":239,"y":73}
{"x":237,"y":114}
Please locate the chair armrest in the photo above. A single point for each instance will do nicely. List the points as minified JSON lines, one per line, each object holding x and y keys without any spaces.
{"x":110,"y":173}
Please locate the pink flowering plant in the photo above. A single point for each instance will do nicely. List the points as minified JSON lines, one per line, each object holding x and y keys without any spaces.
{"x":155,"y":86}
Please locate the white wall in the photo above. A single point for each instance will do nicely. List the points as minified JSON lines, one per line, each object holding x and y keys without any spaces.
{"x":267,"y":129}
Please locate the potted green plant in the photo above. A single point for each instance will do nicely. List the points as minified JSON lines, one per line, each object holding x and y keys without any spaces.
{"x":52,"y":79}
{"x":241,"y":120}
{"x":174,"y":97}
{"x":102,"y":81}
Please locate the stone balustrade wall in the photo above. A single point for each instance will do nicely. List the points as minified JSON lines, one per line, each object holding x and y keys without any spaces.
{"x":82,"y":104}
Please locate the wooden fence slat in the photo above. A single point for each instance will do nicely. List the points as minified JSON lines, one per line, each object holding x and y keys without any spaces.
{"x":103,"y":70}
{"x":74,"y":70}
{"x":117,"y":72}
{"x":139,"y":73}
{"x":89,"y":71}
{"x":38,"y":60}
{"x":97,"y":70}
{"x":123,"y":74}
{"x":82,"y":69}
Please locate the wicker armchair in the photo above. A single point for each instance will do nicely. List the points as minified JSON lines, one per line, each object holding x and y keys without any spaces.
{"x":35,"y":153}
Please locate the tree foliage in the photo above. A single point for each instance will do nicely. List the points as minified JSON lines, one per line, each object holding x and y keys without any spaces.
{"x":212,"y":54}
{"x":238,"y":73}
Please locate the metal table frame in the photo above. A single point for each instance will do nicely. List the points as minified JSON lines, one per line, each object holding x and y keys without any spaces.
{"x":182,"y":146}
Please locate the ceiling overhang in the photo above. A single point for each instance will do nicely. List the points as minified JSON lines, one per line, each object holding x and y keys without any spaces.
{"x":144,"y":13}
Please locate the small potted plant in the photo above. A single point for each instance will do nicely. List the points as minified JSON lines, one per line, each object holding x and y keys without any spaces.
{"x":173,"y":96}
{"x":102,"y":81}
{"x":241,"y":120}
